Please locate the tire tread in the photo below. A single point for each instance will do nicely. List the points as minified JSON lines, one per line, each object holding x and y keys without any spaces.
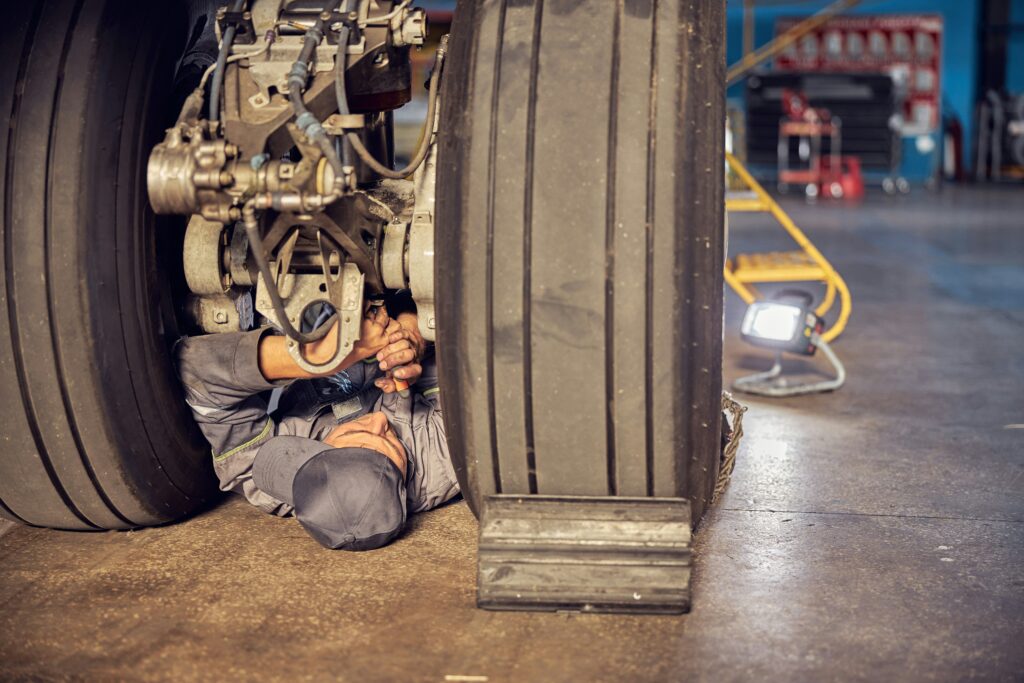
{"x":78,"y":455}
{"x":616,"y":251}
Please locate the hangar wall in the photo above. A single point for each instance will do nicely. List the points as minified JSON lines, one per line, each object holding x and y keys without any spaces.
{"x":959,"y":57}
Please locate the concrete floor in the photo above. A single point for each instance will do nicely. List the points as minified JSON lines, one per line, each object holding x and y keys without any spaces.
{"x":872,"y":534}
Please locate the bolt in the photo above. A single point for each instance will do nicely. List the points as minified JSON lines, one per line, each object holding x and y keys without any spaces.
{"x":431,"y":324}
{"x":220,"y":317}
{"x":226,"y":178}
{"x":230,"y":151}
{"x":247,"y":16}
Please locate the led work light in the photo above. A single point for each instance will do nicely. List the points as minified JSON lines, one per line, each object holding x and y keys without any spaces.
{"x":787,"y":326}
{"x":782,"y":326}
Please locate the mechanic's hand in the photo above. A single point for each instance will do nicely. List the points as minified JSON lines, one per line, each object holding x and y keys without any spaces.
{"x":401,"y":359}
{"x":411,"y":323}
{"x":374,"y":333}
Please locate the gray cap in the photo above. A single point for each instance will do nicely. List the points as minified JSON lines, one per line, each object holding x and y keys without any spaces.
{"x":348,"y":498}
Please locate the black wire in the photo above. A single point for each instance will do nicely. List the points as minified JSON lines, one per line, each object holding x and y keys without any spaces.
{"x":222,"y":61}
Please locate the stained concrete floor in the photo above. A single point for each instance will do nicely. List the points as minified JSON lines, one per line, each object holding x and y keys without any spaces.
{"x":872,"y":534}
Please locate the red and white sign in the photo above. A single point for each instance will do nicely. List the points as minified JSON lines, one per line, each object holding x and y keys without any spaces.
{"x":908,"y":47}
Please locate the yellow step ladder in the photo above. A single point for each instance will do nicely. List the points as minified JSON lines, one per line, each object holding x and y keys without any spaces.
{"x":805,"y":264}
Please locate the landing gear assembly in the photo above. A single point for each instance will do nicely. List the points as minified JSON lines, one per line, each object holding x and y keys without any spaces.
{"x":310,"y":210}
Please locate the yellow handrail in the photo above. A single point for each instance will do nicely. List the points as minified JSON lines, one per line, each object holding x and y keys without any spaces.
{"x":835,"y":285}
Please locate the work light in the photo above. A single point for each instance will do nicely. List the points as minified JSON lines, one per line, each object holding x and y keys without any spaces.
{"x":782,"y":326}
{"x":786,"y":324}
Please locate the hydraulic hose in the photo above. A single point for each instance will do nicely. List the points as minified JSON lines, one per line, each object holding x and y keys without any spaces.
{"x":252,"y":231}
{"x":305,"y":119}
{"x":340,"y":65}
{"x":222,"y":62}
{"x":385,"y":18}
{"x":428,"y":124}
{"x":268,"y":39}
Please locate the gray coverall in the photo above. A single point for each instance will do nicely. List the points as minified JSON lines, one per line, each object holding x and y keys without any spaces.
{"x":227,"y":394}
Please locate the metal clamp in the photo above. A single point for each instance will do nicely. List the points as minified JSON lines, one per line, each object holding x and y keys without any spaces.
{"x":336,"y":124}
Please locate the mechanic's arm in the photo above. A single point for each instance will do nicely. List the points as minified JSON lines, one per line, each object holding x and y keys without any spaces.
{"x":276,"y":363}
{"x":424,"y":434}
{"x":409,"y":357}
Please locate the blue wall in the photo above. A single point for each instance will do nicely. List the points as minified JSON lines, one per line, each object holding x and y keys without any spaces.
{"x":1015,"y":50}
{"x":959,"y":50}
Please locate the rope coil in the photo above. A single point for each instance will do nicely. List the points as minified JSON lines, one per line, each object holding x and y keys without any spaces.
{"x":734,"y":410}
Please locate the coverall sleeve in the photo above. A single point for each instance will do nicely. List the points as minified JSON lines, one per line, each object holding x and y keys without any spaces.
{"x":224,"y":388}
{"x":420,"y":424}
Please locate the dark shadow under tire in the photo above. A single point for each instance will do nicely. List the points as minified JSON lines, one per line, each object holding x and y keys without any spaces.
{"x":95,"y":433}
{"x":580,"y":247}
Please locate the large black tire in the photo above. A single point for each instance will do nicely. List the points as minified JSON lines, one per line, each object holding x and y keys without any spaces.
{"x":95,"y":433}
{"x":580,"y":247}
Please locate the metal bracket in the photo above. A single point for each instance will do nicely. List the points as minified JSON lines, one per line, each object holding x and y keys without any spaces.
{"x":421,"y":271}
{"x":245,"y":34}
{"x":341,"y":285}
{"x":419,"y":264}
{"x":336,"y":124}
{"x":393,"y":255}
{"x":588,"y":554}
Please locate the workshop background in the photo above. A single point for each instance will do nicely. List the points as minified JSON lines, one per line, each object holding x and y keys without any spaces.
{"x":873,"y":525}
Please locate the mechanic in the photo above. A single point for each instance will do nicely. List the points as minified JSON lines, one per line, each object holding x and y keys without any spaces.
{"x":345,"y":451}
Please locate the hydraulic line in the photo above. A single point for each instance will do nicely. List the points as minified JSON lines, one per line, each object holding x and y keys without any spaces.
{"x":385,"y":18}
{"x":269,"y":39}
{"x":221,"y":65}
{"x":428,"y":124}
{"x":340,"y":65}
{"x":305,"y":119}
{"x":252,"y":231}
